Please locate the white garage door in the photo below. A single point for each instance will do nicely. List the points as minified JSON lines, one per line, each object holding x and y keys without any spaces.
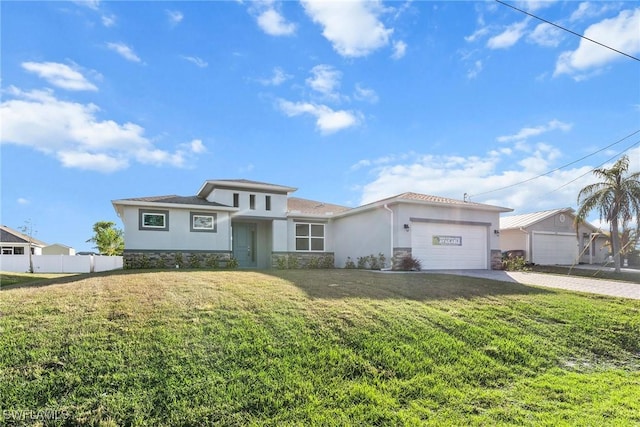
{"x":449,"y":246}
{"x":552,"y":249}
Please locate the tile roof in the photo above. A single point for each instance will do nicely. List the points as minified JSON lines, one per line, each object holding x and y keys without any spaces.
{"x":312,"y":207}
{"x":410,"y":196}
{"x":179,"y":200}
{"x":526,"y":220}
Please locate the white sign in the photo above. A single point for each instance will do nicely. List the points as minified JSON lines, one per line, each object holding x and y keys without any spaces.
{"x":446,"y":240}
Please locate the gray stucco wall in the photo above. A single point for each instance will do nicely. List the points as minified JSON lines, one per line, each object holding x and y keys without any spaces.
{"x":360,"y":235}
{"x":178,"y":237}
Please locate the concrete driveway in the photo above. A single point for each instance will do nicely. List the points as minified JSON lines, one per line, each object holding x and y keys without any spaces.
{"x":571,"y":283}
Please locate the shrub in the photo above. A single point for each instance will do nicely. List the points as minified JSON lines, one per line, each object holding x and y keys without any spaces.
{"x":314,"y":262}
{"x":281,"y":263}
{"x":363,"y":261}
{"x":515,"y":264}
{"x":178,"y":260}
{"x":232,"y":263}
{"x":212,"y":261}
{"x":409,"y":263}
{"x":349,"y":263}
{"x":194,"y":261}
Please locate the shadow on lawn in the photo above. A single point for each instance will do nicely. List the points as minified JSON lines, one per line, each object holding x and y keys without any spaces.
{"x":339,"y":283}
{"x":39,"y":282}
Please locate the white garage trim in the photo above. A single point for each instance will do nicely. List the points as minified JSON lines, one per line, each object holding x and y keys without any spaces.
{"x":553,"y":248}
{"x":445,"y":245}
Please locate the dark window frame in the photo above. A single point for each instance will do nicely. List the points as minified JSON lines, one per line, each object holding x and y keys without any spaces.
{"x":203,"y":230}
{"x":143,"y":212}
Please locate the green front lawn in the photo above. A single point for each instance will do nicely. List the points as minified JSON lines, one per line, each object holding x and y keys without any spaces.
{"x":314,"y":347}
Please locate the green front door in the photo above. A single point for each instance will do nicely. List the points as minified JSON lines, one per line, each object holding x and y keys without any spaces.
{"x":244,"y":244}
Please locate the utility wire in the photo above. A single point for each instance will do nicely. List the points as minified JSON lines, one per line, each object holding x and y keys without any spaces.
{"x":561,"y":167}
{"x":597,"y":167}
{"x":567,"y":30}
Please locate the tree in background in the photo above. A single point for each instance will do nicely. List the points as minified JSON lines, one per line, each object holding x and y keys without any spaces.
{"x":616,"y":197}
{"x":109,"y":240}
{"x":27,"y":230}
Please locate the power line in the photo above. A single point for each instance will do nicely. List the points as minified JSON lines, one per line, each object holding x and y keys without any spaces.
{"x":597,"y":167}
{"x":559,"y":168}
{"x":568,"y":30}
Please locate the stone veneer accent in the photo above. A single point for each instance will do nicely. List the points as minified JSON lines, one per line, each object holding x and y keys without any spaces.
{"x":398,"y":254}
{"x":171,"y":259}
{"x":496,"y":259}
{"x":284,"y":260}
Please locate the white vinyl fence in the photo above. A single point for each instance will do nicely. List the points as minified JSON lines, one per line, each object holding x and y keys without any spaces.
{"x":60,"y":263}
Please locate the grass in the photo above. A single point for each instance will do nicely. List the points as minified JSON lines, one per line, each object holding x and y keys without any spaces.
{"x":9,"y":279}
{"x":314,"y":347}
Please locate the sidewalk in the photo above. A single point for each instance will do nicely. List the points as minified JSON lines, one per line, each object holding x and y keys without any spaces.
{"x":571,"y":283}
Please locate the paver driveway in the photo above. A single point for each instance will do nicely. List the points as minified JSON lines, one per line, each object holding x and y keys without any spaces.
{"x":572,"y":283}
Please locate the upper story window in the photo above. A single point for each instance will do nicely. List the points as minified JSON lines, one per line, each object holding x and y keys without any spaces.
{"x":309,"y":237}
{"x":267,"y":202}
{"x":152,"y":219}
{"x":252,"y":202}
{"x":236,"y":200}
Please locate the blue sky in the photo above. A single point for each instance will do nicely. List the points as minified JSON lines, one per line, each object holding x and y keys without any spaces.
{"x":348,"y":101}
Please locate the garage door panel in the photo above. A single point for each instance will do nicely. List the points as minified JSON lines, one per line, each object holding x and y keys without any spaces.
{"x":554,"y":249}
{"x":449,"y":246}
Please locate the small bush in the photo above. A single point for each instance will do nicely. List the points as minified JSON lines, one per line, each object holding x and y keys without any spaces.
{"x":178,"y":260}
{"x":409,"y":263}
{"x":212,"y":261}
{"x":349,"y":263}
{"x":515,"y":264}
{"x":194,"y":261}
{"x":281,"y":263}
{"x":232,"y":263}
{"x":363,"y":262}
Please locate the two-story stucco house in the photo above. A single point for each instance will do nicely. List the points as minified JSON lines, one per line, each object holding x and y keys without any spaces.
{"x":260,"y":224}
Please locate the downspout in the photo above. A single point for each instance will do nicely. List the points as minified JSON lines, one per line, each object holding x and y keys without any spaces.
{"x":390,"y":236}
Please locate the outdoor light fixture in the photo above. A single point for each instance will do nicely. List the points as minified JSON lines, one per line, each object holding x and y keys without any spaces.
{"x":496,"y":232}
{"x":406,"y":227}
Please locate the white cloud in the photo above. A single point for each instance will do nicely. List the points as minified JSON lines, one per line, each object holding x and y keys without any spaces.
{"x":476,"y":69}
{"x":327,"y":120}
{"x":196,"y":60}
{"x":509,"y":36}
{"x":108,"y":20}
{"x":399,"y":49}
{"x":274,"y":24}
{"x":478,"y":176}
{"x":60,"y":75}
{"x":23,"y":201}
{"x":535,"y":5}
{"x":352,"y":27}
{"x":175,"y":17}
{"x":125,"y":51}
{"x":479,"y":33}
{"x":196,"y":146}
{"x":620,"y":33}
{"x":365,"y":94}
{"x":278,"y":77}
{"x":325,"y":79}
{"x":529,"y":132}
{"x":73,"y":133}
{"x":545,"y":35}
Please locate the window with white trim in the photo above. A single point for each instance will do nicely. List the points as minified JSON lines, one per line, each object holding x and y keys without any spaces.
{"x":203,"y":222}
{"x":151,"y":219}
{"x":309,"y":237}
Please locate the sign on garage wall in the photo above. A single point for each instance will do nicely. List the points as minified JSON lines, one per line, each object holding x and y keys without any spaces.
{"x":446,"y":240}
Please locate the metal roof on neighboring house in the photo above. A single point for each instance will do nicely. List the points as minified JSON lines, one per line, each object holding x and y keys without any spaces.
{"x":9,"y":235}
{"x":527,"y":220}
{"x":296,"y":205}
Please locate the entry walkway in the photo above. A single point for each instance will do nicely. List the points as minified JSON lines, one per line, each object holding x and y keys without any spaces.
{"x":558,"y":281}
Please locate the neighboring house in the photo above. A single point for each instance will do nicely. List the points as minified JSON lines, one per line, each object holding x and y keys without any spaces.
{"x":58,"y":249}
{"x":550,"y":238}
{"x":14,"y":242}
{"x":261,"y":226}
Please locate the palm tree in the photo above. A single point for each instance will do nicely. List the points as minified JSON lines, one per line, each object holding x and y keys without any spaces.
{"x":617,"y":199}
